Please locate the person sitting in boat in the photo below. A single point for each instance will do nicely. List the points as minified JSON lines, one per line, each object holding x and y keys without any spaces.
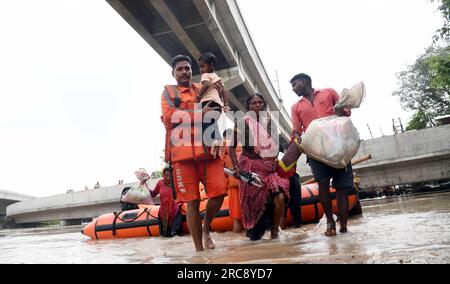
{"x":356,"y":210}
{"x":170,"y":218}
{"x":262,"y":207}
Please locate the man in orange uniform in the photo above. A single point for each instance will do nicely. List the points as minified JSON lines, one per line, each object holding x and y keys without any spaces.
{"x":187,"y":154}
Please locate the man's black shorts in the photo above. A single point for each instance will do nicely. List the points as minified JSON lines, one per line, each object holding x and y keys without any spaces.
{"x":342,"y":178}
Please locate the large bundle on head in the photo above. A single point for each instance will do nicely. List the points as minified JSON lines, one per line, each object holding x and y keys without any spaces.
{"x":334,"y":140}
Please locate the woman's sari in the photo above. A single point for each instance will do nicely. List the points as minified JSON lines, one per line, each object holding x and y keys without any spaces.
{"x":254,"y":200}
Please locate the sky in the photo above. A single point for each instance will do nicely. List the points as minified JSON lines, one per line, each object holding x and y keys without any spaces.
{"x":80,"y":89}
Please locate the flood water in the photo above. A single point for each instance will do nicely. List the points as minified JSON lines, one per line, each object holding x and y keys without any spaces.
{"x":398,"y":230}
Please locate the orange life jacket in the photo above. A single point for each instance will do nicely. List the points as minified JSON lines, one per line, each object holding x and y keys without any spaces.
{"x":188,"y":151}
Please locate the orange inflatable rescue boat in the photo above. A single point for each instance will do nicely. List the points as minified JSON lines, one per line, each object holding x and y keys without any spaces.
{"x":143,"y":222}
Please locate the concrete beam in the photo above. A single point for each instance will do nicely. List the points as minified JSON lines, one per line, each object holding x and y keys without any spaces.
{"x":13,"y":196}
{"x":139,"y":28}
{"x":249,"y":58}
{"x":69,"y":213}
{"x":207,"y":10}
{"x":176,"y":27}
{"x":75,"y":205}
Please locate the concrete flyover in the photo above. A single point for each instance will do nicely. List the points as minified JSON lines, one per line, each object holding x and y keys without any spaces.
{"x":6,"y":199}
{"x":71,"y":208}
{"x":192,"y":27}
{"x":411,"y":157}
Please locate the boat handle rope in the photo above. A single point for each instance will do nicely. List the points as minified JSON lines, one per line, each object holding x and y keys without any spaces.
{"x":117,"y":217}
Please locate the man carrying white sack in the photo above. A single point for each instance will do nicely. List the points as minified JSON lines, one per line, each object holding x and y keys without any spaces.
{"x":316,"y":104}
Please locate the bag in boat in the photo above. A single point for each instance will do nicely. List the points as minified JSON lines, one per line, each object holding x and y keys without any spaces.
{"x":125,"y":206}
{"x":138,"y":194}
{"x":333,"y":140}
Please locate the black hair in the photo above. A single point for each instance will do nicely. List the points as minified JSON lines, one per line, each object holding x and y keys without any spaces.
{"x":180,"y":58}
{"x":166,"y":169}
{"x":208,"y":58}
{"x":304,"y":77}
{"x":252,"y":96}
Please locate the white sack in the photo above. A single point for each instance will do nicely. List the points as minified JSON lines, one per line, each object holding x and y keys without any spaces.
{"x":353,"y":97}
{"x":332,"y":140}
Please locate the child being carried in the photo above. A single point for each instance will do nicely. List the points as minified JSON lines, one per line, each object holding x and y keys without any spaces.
{"x":211,"y":97}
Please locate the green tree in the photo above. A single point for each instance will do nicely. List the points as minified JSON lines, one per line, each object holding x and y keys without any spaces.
{"x":425,"y":86}
{"x":420,"y":120}
{"x":444,"y":32}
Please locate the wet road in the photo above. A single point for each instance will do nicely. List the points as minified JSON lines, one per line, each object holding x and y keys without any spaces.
{"x":399,"y":230}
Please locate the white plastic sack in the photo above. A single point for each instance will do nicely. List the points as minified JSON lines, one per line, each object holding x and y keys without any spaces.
{"x":332,"y":140}
{"x":353,"y":97}
{"x":138,"y":195}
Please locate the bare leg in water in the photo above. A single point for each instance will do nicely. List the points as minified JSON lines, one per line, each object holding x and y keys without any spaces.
{"x":325,"y":200}
{"x":283,"y":221}
{"x":342,"y":204}
{"x":278,"y":201}
{"x":237,"y":227}
{"x":195,"y":223}
{"x":212,"y":207}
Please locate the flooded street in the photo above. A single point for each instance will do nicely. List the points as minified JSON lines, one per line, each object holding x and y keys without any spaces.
{"x":412,"y":229}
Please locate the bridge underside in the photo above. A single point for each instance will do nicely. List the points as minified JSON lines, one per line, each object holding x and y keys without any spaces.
{"x":192,"y":27}
{"x":3,"y":204}
{"x":82,"y":212}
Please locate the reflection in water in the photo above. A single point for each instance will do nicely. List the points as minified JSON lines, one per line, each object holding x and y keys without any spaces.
{"x":399,"y":230}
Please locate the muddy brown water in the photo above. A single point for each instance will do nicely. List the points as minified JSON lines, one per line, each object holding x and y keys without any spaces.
{"x":396,"y":230}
